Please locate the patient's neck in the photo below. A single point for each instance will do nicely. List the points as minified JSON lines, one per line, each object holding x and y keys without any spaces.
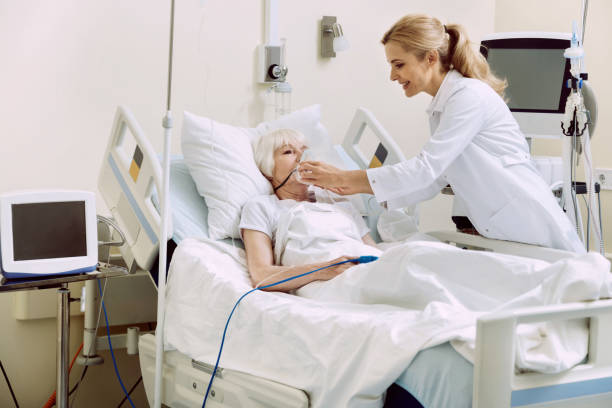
{"x":294,"y":191}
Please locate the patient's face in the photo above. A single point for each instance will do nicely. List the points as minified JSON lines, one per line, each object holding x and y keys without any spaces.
{"x":286,"y":158}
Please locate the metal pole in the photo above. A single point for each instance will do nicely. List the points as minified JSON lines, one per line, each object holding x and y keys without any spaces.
{"x":63,"y":342}
{"x":585,"y":9}
{"x":163,"y":234}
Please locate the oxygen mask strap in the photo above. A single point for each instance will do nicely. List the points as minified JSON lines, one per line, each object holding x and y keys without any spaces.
{"x":285,"y":180}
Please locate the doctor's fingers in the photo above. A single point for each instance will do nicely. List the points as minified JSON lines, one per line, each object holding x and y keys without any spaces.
{"x":317,"y":166}
{"x":320,"y":174}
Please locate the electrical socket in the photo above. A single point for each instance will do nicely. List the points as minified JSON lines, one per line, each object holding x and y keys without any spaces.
{"x":604,"y":178}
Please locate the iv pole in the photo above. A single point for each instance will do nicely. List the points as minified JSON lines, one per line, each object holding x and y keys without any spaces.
{"x":163,"y":234}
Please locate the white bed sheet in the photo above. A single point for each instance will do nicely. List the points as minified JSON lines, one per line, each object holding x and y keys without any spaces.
{"x":343,"y":346}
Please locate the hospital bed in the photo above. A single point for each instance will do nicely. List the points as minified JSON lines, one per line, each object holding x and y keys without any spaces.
{"x":129,"y":182}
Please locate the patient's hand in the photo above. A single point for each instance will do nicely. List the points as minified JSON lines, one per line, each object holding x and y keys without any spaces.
{"x":330,"y":273}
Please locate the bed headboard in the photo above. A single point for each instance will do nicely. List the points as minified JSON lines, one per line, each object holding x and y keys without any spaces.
{"x":129,"y":180}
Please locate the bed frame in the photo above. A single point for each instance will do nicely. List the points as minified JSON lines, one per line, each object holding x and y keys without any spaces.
{"x":495,"y":383}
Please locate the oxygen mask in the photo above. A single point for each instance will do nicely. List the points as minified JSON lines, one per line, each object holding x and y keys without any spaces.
{"x":307,"y":155}
{"x":314,"y":155}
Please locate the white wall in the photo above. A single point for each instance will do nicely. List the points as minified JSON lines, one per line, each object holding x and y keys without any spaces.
{"x":67,"y":64}
{"x":557,"y":15}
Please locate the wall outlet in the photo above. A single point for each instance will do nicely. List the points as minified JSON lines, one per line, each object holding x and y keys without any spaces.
{"x":604,"y":178}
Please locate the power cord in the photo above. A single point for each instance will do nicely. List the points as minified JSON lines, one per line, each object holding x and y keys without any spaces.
{"x":361,"y":259}
{"x":78,"y":382}
{"x":110,"y":345}
{"x":130,"y":392}
{"x":9,"y":385}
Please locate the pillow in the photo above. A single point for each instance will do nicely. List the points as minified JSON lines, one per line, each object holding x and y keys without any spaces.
{"x":306,"y":120}
{"x":220,"y":160}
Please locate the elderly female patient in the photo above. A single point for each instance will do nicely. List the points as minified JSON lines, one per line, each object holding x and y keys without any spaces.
{"x":323,"y":231}
{"x":331,"y":231}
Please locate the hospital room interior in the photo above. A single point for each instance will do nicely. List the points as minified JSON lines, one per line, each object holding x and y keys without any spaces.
{"x":103,"y":101}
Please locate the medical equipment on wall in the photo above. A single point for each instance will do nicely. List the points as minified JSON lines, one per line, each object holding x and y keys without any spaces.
{"x":277,"y":101}
{"x":552,"y":100}
{"x":272,"y":68}
{"x":47,"y":233}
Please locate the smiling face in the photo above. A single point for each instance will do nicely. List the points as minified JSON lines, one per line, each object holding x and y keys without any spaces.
{"x":414,"y":74}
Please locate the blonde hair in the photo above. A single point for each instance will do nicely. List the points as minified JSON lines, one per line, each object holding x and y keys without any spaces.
{"x":420,"y":34}
{"x":267,"y":145}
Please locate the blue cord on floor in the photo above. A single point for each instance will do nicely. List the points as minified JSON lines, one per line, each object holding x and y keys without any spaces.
{"x":361,"y":259}
{"x":110,"y":345}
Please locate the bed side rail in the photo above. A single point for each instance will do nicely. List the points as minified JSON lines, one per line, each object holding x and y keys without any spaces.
{"x":129,"y":179}
{"x":495,"y":383}
{"x":475,"y":242}
{"x":384,"y":151}
{"x":387,"y":151}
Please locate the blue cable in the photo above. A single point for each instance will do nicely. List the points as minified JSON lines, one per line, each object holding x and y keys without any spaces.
{"x":110,"y":345}
{"x":361,"y":259}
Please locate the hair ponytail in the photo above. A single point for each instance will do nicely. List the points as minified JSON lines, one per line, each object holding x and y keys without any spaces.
{"x":469,"y":62}
{"x":420,"y":34}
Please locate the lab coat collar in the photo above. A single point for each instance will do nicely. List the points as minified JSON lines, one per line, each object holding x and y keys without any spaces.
{"x":446,"y":89}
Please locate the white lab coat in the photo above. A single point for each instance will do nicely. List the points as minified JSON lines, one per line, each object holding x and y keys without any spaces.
{"x":477,"y":147}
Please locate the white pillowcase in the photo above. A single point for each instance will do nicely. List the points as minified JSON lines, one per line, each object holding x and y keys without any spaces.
{"x":220,"y":160}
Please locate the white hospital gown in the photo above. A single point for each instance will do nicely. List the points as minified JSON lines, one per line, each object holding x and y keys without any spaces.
{"x":322,"y":230}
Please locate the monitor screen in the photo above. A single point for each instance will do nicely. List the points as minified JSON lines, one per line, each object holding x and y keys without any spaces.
{"x":535,"y":77}
{"x":49,"y":230}
{"x":535,"y":69}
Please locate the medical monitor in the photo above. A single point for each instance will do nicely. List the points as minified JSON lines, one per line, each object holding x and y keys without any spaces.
{"x":47,"y":232}
{"x":537,"y":73}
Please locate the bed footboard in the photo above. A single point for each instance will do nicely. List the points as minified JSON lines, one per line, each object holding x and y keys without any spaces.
{"x":588,"y":384}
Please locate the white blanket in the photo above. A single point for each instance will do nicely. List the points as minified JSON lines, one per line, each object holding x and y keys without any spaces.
{"x":351,"y":337}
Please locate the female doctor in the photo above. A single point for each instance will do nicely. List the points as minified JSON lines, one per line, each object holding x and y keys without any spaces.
{"x":476,"y":146}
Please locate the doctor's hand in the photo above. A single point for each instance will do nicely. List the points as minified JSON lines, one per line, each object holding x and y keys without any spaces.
{"x":341,"y":182}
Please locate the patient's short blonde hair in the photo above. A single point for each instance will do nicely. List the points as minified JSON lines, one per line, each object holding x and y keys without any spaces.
{"x":267,"y":145}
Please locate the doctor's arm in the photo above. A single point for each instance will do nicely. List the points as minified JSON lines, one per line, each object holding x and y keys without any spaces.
{"x":263,"y":271}
{"x":460,"y":121}
{"x":419,"y":176}
{"x":342,"y":182}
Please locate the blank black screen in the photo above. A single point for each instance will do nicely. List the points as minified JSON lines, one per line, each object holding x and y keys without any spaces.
{"x":49,"y":230}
